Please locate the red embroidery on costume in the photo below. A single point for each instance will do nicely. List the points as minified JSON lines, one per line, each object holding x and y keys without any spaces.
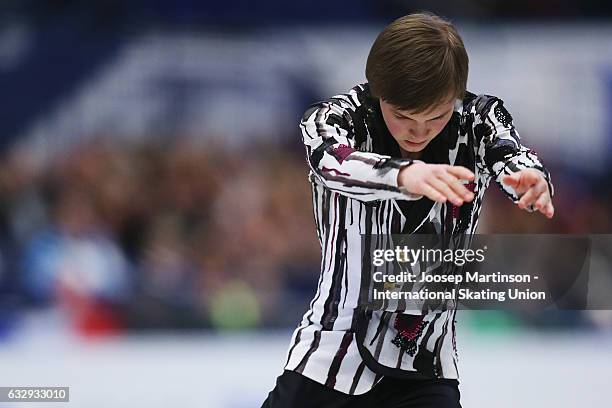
{"x":342,"y":152}
{"x":409,"y":329}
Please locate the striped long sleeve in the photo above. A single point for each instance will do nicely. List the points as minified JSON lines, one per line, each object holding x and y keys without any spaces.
{"x":500,"y":145}
{"x":335,"y":161}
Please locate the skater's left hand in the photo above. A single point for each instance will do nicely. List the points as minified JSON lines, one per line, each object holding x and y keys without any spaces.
{"x":532,"y":188}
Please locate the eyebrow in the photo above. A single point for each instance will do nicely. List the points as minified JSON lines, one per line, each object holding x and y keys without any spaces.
{"x":434,"y":118}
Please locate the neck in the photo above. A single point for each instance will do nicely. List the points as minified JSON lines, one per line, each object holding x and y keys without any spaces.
{"x":411,"y":155}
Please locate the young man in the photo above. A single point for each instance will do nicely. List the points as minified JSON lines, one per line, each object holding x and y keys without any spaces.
{"x":409,"y":152}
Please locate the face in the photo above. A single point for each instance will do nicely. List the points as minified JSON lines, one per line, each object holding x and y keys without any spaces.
{"x":414,"y":131}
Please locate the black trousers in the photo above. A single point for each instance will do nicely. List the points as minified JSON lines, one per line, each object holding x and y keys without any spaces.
{"x":293,"y":390}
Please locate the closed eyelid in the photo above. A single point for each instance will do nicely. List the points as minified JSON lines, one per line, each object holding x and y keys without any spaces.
{"x":403,"y":117}
{"x":441,"y":116}
{"x":400,"y":116}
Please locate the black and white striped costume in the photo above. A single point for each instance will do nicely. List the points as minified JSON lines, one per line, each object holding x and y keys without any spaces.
{"x":354,"y":165}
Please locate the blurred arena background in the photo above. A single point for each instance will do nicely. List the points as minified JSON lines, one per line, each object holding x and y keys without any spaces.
{"x":157,"y":245}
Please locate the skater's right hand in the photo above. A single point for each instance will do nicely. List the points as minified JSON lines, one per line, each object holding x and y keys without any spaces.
{"x":438,"y":182}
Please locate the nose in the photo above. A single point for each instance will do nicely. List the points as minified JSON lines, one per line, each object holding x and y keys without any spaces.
{"x":419,"y":133}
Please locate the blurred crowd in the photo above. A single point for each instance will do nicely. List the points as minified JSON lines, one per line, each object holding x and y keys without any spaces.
{"x":188,"y":235}
{"x":158,"y":235}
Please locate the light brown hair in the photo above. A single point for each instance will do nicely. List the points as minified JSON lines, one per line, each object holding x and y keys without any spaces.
{"x":416,"y":62}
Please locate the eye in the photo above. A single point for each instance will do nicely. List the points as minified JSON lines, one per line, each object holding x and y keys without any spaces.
{"x":401,"y":117}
